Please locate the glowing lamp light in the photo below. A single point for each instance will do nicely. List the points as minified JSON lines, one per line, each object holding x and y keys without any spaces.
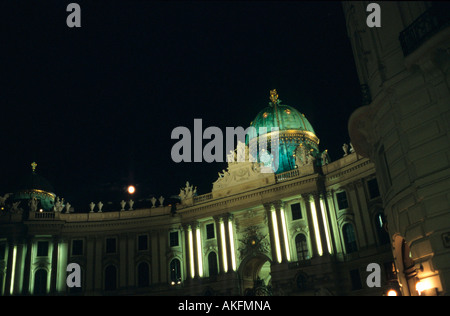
{"x":392,"y":293}
{"x":423,"y":285}
{"x":131,"y":189}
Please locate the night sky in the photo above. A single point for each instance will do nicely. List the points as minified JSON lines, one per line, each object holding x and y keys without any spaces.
{"x":95,"y":106}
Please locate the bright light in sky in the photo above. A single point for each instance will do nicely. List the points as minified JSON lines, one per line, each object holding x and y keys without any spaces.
{"x":131,"y":189}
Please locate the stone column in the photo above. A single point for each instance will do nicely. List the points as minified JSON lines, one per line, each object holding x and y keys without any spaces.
{"x":194,"y":227}
{"x":230,"y":247}
{"x":9,"y":267}
{"x":131,"y":248}
{"x":123,"y":268}
{"x":163,"y":243}
{"x":332,"y":217}
{"x":62,"y":258}
{"x":54,"y":266}
{"x":27,"y":267}
{"x":155,"y":257}
{"x":218,"y":220}
{"x":273,"y":247}
{"x":90,"y":265}
{"x":321,"y":224}
{"x":277,"y":205}
{"x":187,"y":260}
{"x":98,"y":275}
{"x":312,"y":233}
{"x":227,"y":218}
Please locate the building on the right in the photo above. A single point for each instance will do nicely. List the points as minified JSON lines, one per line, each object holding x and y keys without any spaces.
{"x":403,"y":126}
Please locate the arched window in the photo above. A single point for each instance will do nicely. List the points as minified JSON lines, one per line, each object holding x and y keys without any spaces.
{"x":349,"y":238}
{"x":40,"y":282}
{"x":301,"y":246}
{"x":175,"y":271}
{"x":143,"y":274}
{"x":383,"y":235}
{"x":110,"y":278}
{"x":212,"y":264}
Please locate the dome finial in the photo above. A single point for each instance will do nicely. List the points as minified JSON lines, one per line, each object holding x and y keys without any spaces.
{"x":274,"y":96}
{"x":33,"y":166}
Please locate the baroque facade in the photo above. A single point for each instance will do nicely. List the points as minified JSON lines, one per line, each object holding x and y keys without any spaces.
{"x":312,"y":227}
{"x":404,"y":127}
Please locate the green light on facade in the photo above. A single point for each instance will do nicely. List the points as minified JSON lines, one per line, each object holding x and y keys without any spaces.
{"x":233,"y":257}
{"x":13,"y":270}
{"x":316,"y":227}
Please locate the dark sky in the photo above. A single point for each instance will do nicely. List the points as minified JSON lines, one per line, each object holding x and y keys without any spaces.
{"x":95,"y":106}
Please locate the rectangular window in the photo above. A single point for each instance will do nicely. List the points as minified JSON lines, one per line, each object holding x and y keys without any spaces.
{"x":110,"y":245}
{"x":355,"y":279}
{"x":173,"y":239}
{"x":142,"y":242}
{"x":210,"y":231}
{"x":42,"y":248}
{"x":296,"y":211}
{"x":77,"y":247}
{"x":342,"y":201}
{"x":374,"y":191}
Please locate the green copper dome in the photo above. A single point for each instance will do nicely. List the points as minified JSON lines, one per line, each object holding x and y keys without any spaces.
{"x":284,"y":117}
{"x":294,"y":131}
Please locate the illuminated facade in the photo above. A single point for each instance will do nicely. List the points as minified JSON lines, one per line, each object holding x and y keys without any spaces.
{"x":403,"y":127}
{"x":312,"y":229}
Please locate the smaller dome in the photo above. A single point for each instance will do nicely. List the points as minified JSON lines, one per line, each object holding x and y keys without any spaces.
{"x":38,"y":187}
{"x":36,"y":182}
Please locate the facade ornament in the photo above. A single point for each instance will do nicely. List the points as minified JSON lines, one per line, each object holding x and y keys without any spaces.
{"x":4,"y":198}
{"x":352,"y":150}
{"x":188,"y":191}
{"x":33,"y":166}
{"x":253,"y":242}
{"x":325,"y":157}
{"x":15,"y":207}
{"x":59,"y":205}
{"x":33,"y":204}
{"x":240,"y":152}
{"x":274,"y":98}
{"x":91,"y":206}
{"x":100,"y":205}
{"x":230,"y":157}
{"x":153,"y":199}
{"x":68,"y":207}
{"x":130,"y":203}
{"x":161,"y":201}
{"x":345,"y":149}
{"x":303,"y":156}
{"x":122,"y":205}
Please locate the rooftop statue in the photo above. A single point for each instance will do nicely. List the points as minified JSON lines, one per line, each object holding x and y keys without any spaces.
{"x":188,"y":191}
{"x":345,"y":149}
{"x":4,"y":198}
{"x":153,"y":199}
{"x":33,"y":204}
